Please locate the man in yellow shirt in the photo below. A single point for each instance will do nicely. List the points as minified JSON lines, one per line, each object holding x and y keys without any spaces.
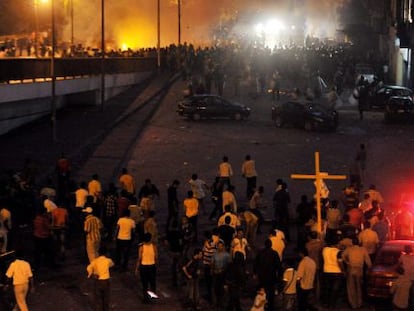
{"x":127,"y":182}
{"x":191,"y":211}
{"x":21,"y":274}
{"x":98,"y":270}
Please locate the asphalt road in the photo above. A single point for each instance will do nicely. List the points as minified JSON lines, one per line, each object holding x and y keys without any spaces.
{"x":171,"y":147}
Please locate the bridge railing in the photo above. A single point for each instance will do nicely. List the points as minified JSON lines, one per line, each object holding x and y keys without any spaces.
{"x":21,"y":69}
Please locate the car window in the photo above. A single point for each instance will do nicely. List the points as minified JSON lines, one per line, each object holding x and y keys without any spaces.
{"x":403,"y":92}
{"x":220,"y":101}
{"x":387,"y":258}
{"x":292,"y":106}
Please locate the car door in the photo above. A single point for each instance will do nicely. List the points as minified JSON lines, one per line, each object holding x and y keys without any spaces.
{"x":380,"y":97}
{"x":294,"y":113}
{"x":220,"y":107}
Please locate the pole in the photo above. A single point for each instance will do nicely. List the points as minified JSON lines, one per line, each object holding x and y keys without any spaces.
{"x":318,"y":194}
{"x":158,"y":35}
{"x":179,"y":22}
{"x":36,"y":27}
{"x":102,"y":54}
{"x":72,"y":27}
{"x":53,"y":75}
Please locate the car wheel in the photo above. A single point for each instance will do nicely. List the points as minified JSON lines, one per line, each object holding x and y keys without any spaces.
{"x":238,"y":116}
{"x":196,"y":116}
{"x":278,"y":121}
{"x":308,"y":125}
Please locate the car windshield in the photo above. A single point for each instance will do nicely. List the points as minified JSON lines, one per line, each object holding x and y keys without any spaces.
{"x":402,"y":92}
{"x":387,"y":258}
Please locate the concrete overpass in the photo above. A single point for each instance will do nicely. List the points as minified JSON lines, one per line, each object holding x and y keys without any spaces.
{"x":27,"y":88}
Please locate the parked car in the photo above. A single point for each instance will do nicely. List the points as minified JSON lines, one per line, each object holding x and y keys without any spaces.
{"x":392,"y":97}
{"x":198,"y":107}
{"x":307,"y":115}
{"x":383,"y":271}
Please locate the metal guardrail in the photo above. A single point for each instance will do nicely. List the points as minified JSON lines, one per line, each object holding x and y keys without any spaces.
{"x":39,"y":68}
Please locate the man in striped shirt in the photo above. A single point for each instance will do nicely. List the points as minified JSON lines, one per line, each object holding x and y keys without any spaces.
{"x":92,"y":228}
{"x":209,"y":248}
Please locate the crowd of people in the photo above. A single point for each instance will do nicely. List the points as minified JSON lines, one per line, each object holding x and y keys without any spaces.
{"x":228,"y":254}
{"x":229,"y":257}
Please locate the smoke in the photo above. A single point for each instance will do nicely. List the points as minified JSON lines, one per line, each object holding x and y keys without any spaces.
{"x":134,"y":23}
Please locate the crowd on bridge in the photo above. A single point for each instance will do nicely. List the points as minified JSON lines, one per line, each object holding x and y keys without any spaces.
{"x":213,"y":237}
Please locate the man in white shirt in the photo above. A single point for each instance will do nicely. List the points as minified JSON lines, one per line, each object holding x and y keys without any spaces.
{"x":199,"y":188}
{"x":305,"y":276}
{"x":124,"y":235}
{"x":95,"y":187}
{"x":21,"y":273}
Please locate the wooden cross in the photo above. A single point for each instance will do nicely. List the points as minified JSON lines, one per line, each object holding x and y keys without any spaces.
{"x":319,"y":177}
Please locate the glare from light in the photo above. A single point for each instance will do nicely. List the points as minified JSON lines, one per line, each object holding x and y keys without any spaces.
{"x":259,"y":28}
{"x":124,"y":47}
{"x":274,"y":26}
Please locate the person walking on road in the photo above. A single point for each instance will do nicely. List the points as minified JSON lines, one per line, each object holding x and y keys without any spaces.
{"x":124,"y":236}
{"x":199,"y":188}
{"x":305,"y":277}
{"x":225,"y":171}
{"x":98,"y":270}
{"x":127,"y":182}
{"x":92,"y":228}
{"x":191,"y":208}
{"x":267,"y":268}
{"x":21,"y":275}
{"x":146,"y":266}
{"x":355,"y":257}
{"x":172,"y":199}
{"x":249,"y":172}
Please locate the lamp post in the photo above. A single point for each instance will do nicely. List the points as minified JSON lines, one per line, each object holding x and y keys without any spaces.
{"x":102,"y":54}
{"x":179,"y":22}
{"x":158,"y":36}
{"x":72,"y":27}
{"x":53,"y":74}
{"x":36,"y":16}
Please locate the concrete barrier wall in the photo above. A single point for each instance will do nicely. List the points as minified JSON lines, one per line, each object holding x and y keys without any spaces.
{"x":23,"y":103}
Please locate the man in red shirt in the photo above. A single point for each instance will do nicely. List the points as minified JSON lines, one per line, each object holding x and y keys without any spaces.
{"x":42,"y":239}
{"x":60,"y":219}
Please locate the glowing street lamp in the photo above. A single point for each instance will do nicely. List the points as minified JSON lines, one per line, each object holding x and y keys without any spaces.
{"x":179,"y":22}
{"x":36,"y":12}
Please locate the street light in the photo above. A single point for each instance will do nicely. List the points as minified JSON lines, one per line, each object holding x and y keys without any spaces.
{"x":158,"y":36}
{"x":179,"y":22}
{"x":72,"y":38}
{"x":36,"y":13}
{"x":53,"y":75}
{"x":102,"y":54}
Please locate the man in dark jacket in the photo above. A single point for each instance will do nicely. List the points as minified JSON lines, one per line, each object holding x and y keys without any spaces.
{"x":267,"y":269}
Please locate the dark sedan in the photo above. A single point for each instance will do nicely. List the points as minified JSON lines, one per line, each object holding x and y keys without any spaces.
{"x":307,"y":115}
{"x":383,"y":271}
{"x":392,"y":97}
{"x":211,"y":106}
